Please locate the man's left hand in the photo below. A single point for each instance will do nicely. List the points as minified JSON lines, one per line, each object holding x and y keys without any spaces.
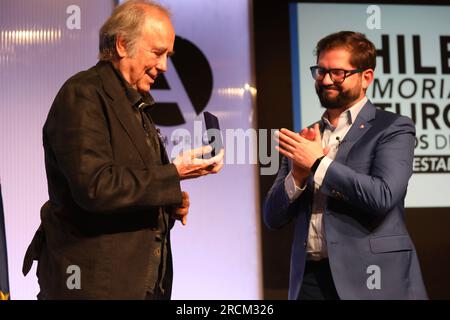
{"x":299,"y":149}
{"x":182,"y":211}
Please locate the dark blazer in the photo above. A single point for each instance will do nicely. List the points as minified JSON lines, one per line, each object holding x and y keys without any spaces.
{"x":364,"y":216}
{"x":108,"y":193}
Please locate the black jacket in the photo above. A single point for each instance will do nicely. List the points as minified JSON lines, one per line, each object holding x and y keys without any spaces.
{"x":110,"y":195}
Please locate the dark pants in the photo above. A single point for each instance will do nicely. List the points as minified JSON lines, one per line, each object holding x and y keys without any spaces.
{"x":318,"y":282}
{"x":157,"y":295}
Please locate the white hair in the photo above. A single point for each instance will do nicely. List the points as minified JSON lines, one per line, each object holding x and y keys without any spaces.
{"x":126,"y":21}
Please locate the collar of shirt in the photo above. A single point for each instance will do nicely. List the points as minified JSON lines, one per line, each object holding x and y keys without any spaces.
{"x":137,"y":100}
{"x":346,"y":118}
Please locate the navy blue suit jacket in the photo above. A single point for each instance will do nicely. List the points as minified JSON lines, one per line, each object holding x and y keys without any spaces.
{"x":364,"y":214}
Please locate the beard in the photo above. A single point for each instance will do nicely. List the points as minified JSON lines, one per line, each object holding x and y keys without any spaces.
{"x":342,"y":100}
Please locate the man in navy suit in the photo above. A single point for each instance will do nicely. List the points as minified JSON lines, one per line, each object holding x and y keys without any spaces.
{"x":344,"y":182}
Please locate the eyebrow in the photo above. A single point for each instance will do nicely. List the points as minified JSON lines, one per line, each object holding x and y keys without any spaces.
{"x":162,"y":49}
{"x":331,"y":68}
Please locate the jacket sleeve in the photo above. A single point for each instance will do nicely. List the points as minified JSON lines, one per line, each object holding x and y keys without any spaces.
{"x":277,"y":209}
{"x":79,"y":136}
{"x":391,"y":168}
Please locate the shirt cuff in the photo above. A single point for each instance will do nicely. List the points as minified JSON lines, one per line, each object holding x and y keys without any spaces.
{"x":292,"y":190}
{"x":321,"y":171}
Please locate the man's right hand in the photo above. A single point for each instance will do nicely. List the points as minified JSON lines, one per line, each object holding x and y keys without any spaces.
{"x":298,"y":173}
{"x":190,"y":166}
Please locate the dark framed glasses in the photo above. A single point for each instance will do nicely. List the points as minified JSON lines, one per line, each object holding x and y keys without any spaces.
{"x":336,"y":75}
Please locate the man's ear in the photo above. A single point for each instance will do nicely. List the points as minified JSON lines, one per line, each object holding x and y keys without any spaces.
{"x":121,"y":47}
{"x":367,"y":78}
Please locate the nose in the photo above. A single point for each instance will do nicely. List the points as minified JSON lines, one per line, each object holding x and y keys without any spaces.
{"x":327,"y":79}
{"x":162,"y":63}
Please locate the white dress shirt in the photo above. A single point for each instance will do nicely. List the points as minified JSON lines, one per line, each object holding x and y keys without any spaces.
{"x":331,"y":137}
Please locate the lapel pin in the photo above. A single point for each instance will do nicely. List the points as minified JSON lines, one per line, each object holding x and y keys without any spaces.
{"x":361,"y":126}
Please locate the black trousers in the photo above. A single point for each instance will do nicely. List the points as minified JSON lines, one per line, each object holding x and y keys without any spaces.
{"x":318,"y":282}
{"x":157,"y":295}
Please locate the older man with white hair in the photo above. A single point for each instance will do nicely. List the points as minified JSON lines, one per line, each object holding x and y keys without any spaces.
{"x":113,"y":193}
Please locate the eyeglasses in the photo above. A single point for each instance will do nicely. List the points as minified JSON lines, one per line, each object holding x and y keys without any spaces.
{"x":336,"y":75}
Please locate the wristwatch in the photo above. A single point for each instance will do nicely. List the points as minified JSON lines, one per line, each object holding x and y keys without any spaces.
{"x":316,"y":164}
